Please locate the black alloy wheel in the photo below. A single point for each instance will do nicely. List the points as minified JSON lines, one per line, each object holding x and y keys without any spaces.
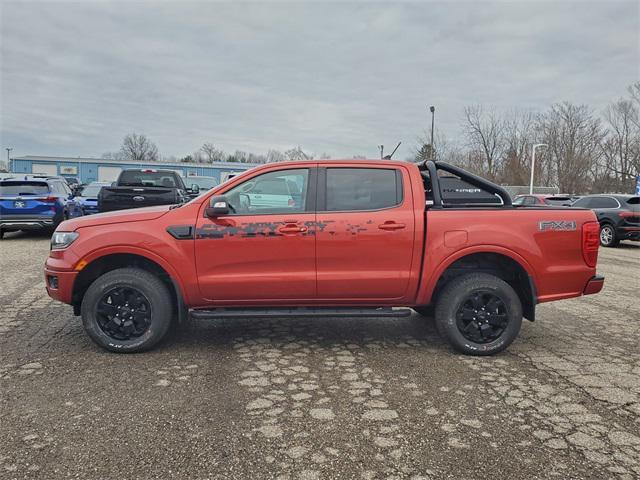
{"x":123,"y":313}
{"x":482,"y":317}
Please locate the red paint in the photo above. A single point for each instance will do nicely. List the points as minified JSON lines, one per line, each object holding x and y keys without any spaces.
{"x":332,"y":258}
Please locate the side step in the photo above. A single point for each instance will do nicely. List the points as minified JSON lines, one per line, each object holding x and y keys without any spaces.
{"x":350,"y":312}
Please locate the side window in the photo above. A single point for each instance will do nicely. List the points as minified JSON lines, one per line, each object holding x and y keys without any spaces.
{"x":603,"y":202}
{"x":363,"y":189}
{"x":283,"y":191}
{"x":583,"y":203}
{"x":530,"y":201}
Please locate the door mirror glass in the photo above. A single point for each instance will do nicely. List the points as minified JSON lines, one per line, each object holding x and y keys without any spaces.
{"x":195,"y":188}
{"x":218,"y":207}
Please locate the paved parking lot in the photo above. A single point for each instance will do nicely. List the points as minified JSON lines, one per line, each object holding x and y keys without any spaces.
{"x":325,"y":398}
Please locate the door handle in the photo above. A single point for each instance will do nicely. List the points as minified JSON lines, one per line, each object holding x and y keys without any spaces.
{"x":292,"y":229}
{"x":391,"y":226}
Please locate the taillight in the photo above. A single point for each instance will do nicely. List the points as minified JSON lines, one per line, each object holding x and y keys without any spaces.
{"x":47,"y":199}
{"x":590,"y":242}
{"x":629,"y":214}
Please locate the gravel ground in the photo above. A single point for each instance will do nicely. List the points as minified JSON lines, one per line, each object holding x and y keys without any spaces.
{"x":324,"y":398}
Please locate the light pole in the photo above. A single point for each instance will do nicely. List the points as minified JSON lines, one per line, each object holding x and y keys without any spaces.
{"x":533,"y":164}
{"x":8,"y":156}
{"x":432,"y":109}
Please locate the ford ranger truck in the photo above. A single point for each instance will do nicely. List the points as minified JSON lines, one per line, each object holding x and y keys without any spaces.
{"x":333,"y":238}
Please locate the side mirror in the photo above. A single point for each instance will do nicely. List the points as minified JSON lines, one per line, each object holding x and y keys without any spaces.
{"x":218,"y":207}
{"x":195,"y":188}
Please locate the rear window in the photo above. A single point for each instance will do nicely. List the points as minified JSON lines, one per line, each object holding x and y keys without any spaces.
{"x":557,"y":200}
{"x":23,"y":188}
{"x":363,"y":189}
{"x":91,"y":190}
{"x":137,"y":178}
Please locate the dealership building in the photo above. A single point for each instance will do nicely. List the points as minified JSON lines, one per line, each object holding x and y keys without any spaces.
{"x":88,"y":170}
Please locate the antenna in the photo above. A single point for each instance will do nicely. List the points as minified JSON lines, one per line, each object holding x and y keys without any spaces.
{"x":388,"y":157}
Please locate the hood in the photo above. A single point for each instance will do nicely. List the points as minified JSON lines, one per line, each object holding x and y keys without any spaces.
{"x":119,"y":216}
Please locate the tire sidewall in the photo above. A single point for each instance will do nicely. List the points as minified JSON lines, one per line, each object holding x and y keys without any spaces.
{"x":151,"y":287}
{"x":458,"y":293}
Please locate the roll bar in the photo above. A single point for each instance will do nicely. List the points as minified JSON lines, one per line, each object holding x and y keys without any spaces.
{"x":432,"y":168}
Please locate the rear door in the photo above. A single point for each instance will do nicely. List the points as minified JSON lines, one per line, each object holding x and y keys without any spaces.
{"x":26,"y":198}
{"x":365,"y":237}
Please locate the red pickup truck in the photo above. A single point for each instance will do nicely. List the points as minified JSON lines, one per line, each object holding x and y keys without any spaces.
{"x":334,"y":238}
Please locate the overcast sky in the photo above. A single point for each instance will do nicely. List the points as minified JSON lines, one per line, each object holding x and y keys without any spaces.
{"x":338,"y":78}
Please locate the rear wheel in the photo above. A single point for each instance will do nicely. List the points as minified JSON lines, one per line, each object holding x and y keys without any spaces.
{"x":608,"y":237}
{"x":1,"y":234}
{"x":127,"y":310}
{"x":478,"y":314}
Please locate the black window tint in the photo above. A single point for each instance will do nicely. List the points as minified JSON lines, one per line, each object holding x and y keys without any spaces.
{"x":23,"y":188}
{"x":603,"y":202}
{"x":583,"y":203}
{"x":363,"y":188}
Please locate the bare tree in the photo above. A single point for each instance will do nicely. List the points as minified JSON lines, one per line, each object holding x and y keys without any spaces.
{"x":573,"y":135}
{"x":297,"y":153}
{"x":211,"y":154}
{"x":485,"y":133}
{"x":621,"y":146}
{"x":518,"y":137}
{"x":138,"y":148}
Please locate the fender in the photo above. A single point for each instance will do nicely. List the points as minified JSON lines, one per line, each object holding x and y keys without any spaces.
{"x":124,"y":249}
{"x":425,"y":290}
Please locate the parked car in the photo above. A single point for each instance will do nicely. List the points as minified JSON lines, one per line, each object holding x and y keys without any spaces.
{"x":364,"y":238}
{"x":542,"y":200}
{"x":87,"y":197}
{"x":619,"y":216}
{"x":34,"y":202}
{"x":137,"y":188}
{"x":199,"y":185}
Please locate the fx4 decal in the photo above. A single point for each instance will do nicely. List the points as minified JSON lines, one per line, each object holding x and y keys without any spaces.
{"x":562,"y":226}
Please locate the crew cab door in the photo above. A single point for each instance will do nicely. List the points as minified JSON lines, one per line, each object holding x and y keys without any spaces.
{"x":264,"y":251}
{"x":365,"y":238}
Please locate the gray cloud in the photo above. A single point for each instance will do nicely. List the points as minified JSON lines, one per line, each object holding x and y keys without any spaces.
{"x":339,"y":78}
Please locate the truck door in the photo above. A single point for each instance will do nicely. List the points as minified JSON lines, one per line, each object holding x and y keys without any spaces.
{"x":365,"y":237}
{"x":265,"y":250}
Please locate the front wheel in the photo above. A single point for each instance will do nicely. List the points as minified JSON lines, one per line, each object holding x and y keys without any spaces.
{"x":608,"y":237}
{"x":127,"y":310}
{"x":478,"y":314}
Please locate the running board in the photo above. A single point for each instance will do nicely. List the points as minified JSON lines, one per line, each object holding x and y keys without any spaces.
{"x":349,"y":312}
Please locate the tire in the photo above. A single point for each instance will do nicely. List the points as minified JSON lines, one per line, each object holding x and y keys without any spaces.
{"x":486,"y":333}
{"x":424,"y":310}
{"x":151,"y":305}
{"x":608,"y":237}
{"x":1,"y":234}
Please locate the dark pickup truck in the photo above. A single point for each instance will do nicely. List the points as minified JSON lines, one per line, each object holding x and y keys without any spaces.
{"x":137,"y":188}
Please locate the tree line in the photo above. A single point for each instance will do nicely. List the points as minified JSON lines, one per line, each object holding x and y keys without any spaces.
{"x":585,"y":152}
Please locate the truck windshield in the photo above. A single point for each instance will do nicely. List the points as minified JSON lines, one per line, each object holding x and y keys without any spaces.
{"x":138,"y":178}
{"x":23,"y":188}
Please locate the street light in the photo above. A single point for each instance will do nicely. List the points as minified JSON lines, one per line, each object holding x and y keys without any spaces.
{"x":8,"y":156}
{"x":533,"y":164}
{"x":432,"y":109}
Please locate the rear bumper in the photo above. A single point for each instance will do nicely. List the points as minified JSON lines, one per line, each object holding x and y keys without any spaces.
{"x":59,"y":284}
{"x":628,"y":233}
{"x":594,"y":285}
{"x":26,"y":222}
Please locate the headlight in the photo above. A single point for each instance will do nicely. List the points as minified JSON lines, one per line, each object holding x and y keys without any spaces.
{"x":60,"y":240}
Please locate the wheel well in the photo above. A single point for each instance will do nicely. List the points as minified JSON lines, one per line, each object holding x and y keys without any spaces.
{"x":105,"y":264}
{"x":495,"y":264}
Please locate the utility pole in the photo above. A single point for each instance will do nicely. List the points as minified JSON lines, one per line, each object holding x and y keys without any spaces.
{"x":533,"y":164}
{"x":381,"y":147}
{"x":432,"y":109}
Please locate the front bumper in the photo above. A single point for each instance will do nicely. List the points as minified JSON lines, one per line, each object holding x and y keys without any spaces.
{"x":59,"y":283}
{"x":26,"y":222}
{"x":594,"y":285}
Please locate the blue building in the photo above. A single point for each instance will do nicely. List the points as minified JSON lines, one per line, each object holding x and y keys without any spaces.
{"x":97,"y":169}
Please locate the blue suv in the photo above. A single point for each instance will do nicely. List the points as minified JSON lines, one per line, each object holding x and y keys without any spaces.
{"x":33,"y":202}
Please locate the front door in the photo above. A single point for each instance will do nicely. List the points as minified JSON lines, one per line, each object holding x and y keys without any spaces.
{"x":365,"y":237}
{"x":265,"y":251}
